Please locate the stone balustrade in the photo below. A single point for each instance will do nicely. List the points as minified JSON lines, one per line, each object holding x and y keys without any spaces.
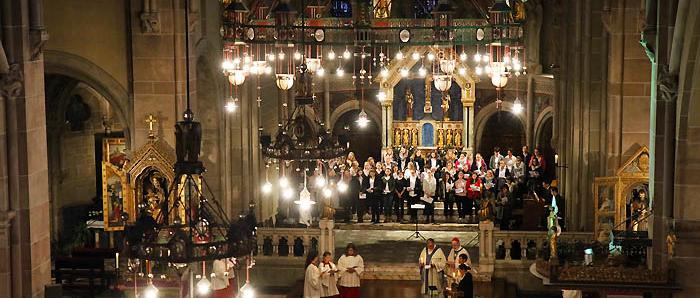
{"x":529,"y":245}
{"x":294,"y":242}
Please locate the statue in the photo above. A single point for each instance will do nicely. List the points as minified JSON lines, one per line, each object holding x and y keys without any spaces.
{"x":406,"y":139}
{"x":458,"y":138}
{"x":485,"y":209}
{"x":382,"y":9}
{"x":397,"y":136}
{"x":153,"y":201}
{"x":440,"y":141}
{"x":671,"y":239}
{"x":449,"y":137}
{"x":188,"y":134}
{"x":414,"y":138}
{"x":553,"y":228}
{"x":446,"y":107}
{"x":408,"y":96}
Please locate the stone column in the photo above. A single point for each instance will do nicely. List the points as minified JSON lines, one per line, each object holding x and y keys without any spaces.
{"x":327,"y":103}
{"x":5,"y":254}
{"x":468,"y":99}
{"x":327,"y":241}
{"x":530,"y":113}
{"x":487,"y":248}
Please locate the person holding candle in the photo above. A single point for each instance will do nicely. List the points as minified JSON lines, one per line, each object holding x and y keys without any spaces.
{"x":432,"y":264}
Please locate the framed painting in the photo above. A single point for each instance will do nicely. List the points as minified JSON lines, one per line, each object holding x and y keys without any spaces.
{"x":114,"y":151}
{"x":116,"y":205}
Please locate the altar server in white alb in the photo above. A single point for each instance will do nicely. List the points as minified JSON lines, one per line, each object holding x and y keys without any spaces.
{"x":350,"y":266}
{"x":453,"y":256}
{"x":329,"y":276}
{"x":312,"y":279}
{"x":432,"y":265}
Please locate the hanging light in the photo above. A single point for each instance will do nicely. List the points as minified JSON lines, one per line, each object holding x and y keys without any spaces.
{"x":271,"y":57}
{"x":517,"y":106}
{"x":247,"y":291}
{"x":399,"y":55}
{"x":462,"y":71}
{"x":151,"y":291}
{"x":362,"y":119}
{"x":304,"y":201}
{"x":297,"y":56}
{"x":342,"y":186}
{"x":340,"y":72}
{"x":287,"y":193}
{"x":415,"y":55}
{"x":280,"y":55}
{"x":442,"y":82}
{"x":477,"y":57}
{"x":203,"y":286}
{"x":404,"y":72}
{"x":384,"y":72}
{"x":478,"y":70}
{"x":331,"y":55}
{"x":422,"y":71}
{"x":447,"y":66}
{"x":346,"y":54}
{"x":381,"y":96}
{"x":227,"y":65}
{"x":237,"y":77}
{"x":284,"y":182}
{"x":431,"y":56}
{"x":485,"y":58}
{"x":327,"y":192}
{"x":498,"y":80}
{"x":285,"y":81}
{"x":463,"y":57}
{"x":320,"y":181}
{"x":266,"y":187}
{"x":231,"y":105}
{"x":313,"y":64}
{"x":320,"y":72}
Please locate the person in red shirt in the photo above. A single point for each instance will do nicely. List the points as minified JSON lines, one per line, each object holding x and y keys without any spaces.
{"x":473,"y":193}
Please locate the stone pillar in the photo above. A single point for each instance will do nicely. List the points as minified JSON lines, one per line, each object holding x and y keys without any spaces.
{"x":327,"y":103}
{"x":5,"y":254}
{"x":468,"y":99}
{"x":487,"y":248}
{"x":327,"y":241}
{"x":530,"y":114}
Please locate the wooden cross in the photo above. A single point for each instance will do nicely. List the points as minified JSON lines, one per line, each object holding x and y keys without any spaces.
{"x":151,"y":120}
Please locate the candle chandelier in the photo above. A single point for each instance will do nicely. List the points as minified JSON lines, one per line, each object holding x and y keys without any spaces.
{"x":332,"y":36}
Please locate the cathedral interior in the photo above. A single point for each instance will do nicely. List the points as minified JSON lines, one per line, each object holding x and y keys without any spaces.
{"x":207,"y":148}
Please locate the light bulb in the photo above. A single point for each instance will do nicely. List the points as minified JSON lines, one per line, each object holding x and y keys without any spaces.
{"x":404,"y":72}
{"x":415,"y":56}
{"x":297,"y":56}
{"x":431,"y":56}
{"x":287,"y":193}
{"x":150,"y":292}
{"x":517,"y":107}
{"x":327,"y":192}
{"x":485,"y":58}
{"x":362,"y":119}
{"x":320,"y":72}
{"x":463,"y":57}
{"x":268,"y":69}
{"x":422,"y":72}
{"x":399,"y":55}
{"x":340,"y":72}
{"x":271,"y":57}
{"x":320,"y":181}
{"x":280,"y":56}
{"x":462,"y":71}
{"x":284,"y":182}
{"x":487,"y":69}
{"x":477,"y":57}
{"x":267,"y":187}
{"x":227,"y":65}
{"x":331,"y":55}
{"x":203,"y":286}
{"x":384,"y":72}
{"x":231,"y":106}
{"x":346,"y":54}
{"x":381,"y":96}
{"x":342,"y":186}
{"x":478,"y":70}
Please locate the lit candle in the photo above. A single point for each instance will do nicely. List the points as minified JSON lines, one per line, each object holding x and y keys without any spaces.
{"x":556,"y":158}
{"x":117,"y":260}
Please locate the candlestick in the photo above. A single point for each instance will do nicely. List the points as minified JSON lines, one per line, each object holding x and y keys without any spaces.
{"x":117,"y":260}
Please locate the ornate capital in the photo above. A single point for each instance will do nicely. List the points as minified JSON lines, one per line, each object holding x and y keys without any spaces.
{"x":150,"y":22}
{"x":12,"y":83}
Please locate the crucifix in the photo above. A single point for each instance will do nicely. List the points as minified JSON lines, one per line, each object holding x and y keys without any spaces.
{"x":150,"y":121}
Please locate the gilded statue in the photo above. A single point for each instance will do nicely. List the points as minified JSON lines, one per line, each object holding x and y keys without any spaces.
{"x":414,"y":137}
{"x":428,"y":108}
{"x":153,"y":201}
{"x":406,"y":139}
{"x":408,"y":96}
{"x":449,"y":138}
{"x":458,"y":138}
{"x":446,"y":106}
{"x":485,"y":210}
{"x":397,"y":136}
{"x":382,"y":8}
{"x":440,"y":138}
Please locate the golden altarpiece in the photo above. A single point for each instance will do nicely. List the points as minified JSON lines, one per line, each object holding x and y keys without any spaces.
{"x":622,"y":201}
{"x":423,"y":117}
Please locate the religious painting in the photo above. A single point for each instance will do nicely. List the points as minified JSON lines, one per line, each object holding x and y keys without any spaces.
{"x":114,"y":151}
{"x":115,"y":191}
{"x":604,"y":193}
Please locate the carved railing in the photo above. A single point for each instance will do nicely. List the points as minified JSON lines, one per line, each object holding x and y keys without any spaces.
{"x":294,"y":243}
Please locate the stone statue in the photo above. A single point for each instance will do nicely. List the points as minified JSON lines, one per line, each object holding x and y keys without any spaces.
{"x":449,"y":138}
{"x":408,"y":96}
{"x":485,"y":210}
{"x":414,"y":137}
{"x":671,"y":239}
{"x":440,"y":140}
{"x":446,"y":107}
{"x":397,"y":137}
{"x":458,"y":138}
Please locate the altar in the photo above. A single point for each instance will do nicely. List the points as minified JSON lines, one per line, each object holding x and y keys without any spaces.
{"x":416,"y":114}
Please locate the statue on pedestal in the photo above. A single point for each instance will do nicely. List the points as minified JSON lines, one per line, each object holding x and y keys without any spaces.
{"x":458,"y":138}
{"x":440,"y":138}
{"x":406,"y":139}
{"x":446,"y":107}
{"x":414,"y":138}
{"x":397,"y":136}
{"x":449,"y":138}
{"x":408,"y":96}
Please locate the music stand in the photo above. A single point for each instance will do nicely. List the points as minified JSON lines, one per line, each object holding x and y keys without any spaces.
{"x":416,"y":234}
